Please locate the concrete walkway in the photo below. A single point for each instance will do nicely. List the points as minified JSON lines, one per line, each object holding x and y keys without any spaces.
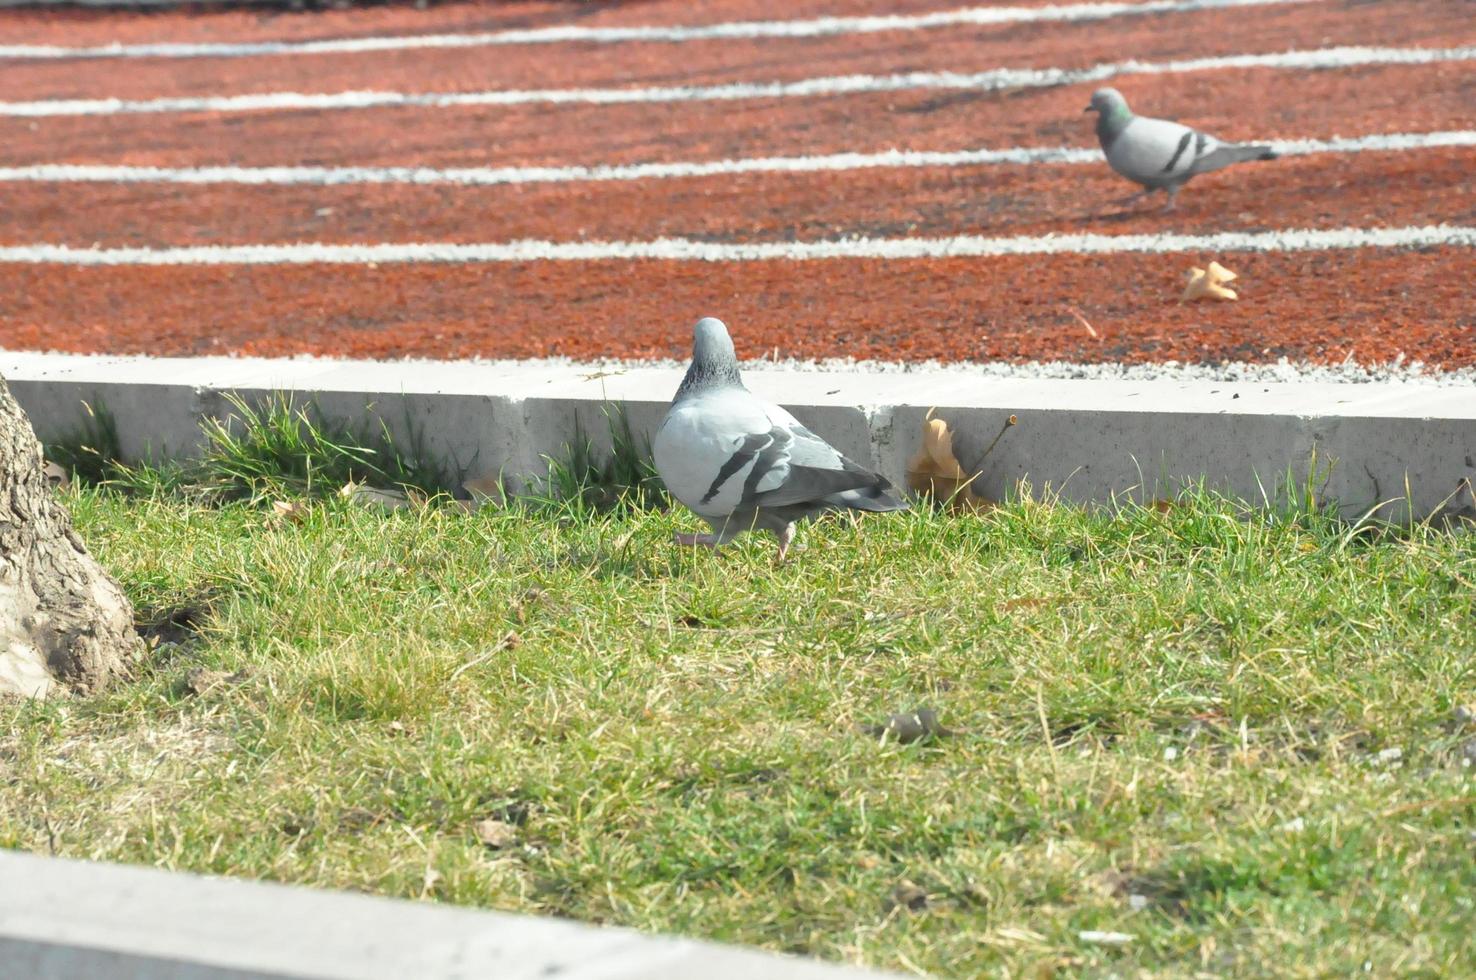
{"x":62,"y":920}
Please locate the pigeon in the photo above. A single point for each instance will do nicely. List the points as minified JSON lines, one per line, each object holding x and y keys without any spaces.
{"x":1157,"y":153}
{"x":741,"y":463}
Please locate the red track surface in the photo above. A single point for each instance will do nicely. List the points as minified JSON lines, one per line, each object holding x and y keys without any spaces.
{"x":1369,"y":304}
{"x":1322,"y":191}
{"x":1240,"y":104}
{"x":80,"y":27}
{"x":1065,"y":45}
{"x":1320,"y":306}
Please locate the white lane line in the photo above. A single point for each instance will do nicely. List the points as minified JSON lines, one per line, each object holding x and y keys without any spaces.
{"x":739,"y":30}
{"x":494,"y":176}
{"x":999,"y":78}
{"x":686,"y":250}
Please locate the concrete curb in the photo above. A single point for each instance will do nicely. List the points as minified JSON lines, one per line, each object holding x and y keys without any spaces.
{"x":62,"y":919}
{"x":1090,"y":441}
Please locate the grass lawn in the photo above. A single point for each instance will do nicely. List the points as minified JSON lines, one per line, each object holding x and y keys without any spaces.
{"x":1233,"y":740}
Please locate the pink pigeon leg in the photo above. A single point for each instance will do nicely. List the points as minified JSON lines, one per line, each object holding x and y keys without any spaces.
{"x":785,"y":537}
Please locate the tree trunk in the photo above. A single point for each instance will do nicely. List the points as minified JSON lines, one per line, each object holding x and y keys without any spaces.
{"x":63,"y":621}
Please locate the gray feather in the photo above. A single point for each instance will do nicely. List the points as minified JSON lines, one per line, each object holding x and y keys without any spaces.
{"x":752,"y":446}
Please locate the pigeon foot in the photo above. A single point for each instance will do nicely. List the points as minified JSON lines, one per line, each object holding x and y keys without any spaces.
{"x":785,"y":537}
{"x":1119,"y":203}
{"x":689,"y":540}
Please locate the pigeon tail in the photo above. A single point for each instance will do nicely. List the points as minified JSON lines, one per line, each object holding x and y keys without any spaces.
{"x":1232,"y":153}
{"x":1258,"y":153}
{"x":874,"y":498}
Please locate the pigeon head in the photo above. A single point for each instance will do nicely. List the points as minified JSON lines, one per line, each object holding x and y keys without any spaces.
{"x":711,"y":343}
{"x":1108,"y":102}
{"x":1113,"y":114}
{"x":714,"y":362}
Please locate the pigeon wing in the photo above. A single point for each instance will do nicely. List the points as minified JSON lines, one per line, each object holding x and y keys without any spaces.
{"x":717,"y":451}
{"x":727,"y":450}
{"x":1157,"y":151}
{"x":813,"y":468}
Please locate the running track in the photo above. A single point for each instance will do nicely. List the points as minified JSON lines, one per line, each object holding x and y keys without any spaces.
{"x":897,"y":181}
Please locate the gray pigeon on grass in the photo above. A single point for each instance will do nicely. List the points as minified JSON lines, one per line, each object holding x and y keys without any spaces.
{"x":741,"y":463}
{"x":1157,"y":153}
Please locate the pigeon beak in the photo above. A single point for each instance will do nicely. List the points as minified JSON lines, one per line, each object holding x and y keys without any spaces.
{"x":1087,"y":109}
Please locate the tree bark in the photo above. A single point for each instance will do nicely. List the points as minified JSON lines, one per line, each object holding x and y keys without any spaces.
{"x":64,"y":623}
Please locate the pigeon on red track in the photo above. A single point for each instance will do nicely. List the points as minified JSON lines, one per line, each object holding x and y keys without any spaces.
{"x":1157,"y":153}
{"x":741,"y":463}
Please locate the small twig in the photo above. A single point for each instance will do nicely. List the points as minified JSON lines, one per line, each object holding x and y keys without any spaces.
{"x":1045,"y":731}
{"x":1083,"y":321}
{"x":1008,"y":422}
{"x":1428,"y":805}
{"x":508,"y":641}
{"x":601,"y":374}
{"x":50,"y":831}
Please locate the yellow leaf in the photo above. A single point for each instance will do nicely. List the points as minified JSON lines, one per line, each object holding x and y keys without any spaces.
{"x":935,"y":471}
{"x":56,"y":476}
{"x":372,"y":497}
{"x":486,"y":490}
{"x":289,"y":510}
{"x":1209,"y":283}
{"x":496,"y":834}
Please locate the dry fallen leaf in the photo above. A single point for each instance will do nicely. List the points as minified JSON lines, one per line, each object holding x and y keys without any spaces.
{"x":496,"y":834}
{"x":533,"y":598}
{"x":56,"y":476}
{"x":289,"y":510}
{"x":1219,"y":273}
{"x":1023,"y":602}
{"x":1209,"y":283}
{"x":1047,"y":967}
{"x":372,"y":497}
{"x":486,"y":491}
{"x":935,"y":470}
{"x":202,"y":680}
{"x":908,"y":895}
